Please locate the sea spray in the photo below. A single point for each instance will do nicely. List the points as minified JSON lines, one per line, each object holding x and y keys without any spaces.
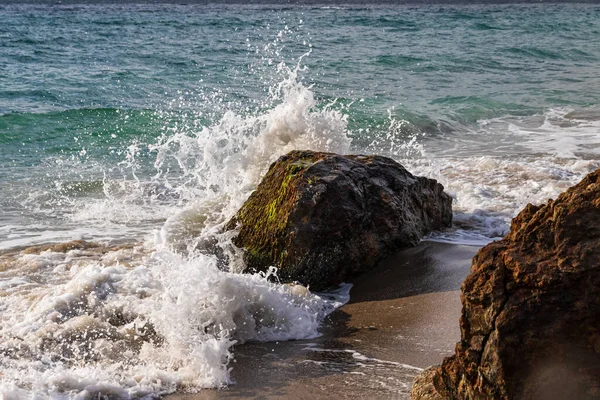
{"x":225,"y":161}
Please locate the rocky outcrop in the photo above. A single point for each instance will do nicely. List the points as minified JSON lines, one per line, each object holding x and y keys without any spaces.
{"x":530,"y":324}
{"x":322,"y":218}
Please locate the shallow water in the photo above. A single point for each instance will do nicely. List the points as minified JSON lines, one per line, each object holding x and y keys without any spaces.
{"x":152,"y":123}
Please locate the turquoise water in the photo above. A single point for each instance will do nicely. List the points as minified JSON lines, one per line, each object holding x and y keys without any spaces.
{"x":81,"y":84}
{"x":154,"y":122}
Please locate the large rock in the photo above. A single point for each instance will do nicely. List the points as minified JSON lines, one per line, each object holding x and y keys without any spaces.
{"x":322,"y":218}
{"x":530,"y":325}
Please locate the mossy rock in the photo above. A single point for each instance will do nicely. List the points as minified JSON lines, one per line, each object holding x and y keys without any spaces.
{"x":322,"y":218}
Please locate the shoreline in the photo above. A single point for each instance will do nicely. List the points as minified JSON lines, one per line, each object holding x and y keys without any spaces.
{"x":402,"y":317}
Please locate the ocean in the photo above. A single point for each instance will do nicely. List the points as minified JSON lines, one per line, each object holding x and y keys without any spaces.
{"x":152,"y":123}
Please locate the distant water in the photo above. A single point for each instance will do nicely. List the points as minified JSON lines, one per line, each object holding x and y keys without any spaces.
{"x":155,"y":122}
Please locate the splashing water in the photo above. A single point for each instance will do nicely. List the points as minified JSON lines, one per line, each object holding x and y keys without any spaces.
{"x":146,"y":320}
{"x":132,"y":322}
{"x":224,"y":162}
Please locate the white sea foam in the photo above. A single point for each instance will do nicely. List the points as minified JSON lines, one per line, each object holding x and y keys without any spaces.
{"x":361,"y":357}
{"x":83,"y":325}
{"x":391,"y":379}
{"x":494,"y":171}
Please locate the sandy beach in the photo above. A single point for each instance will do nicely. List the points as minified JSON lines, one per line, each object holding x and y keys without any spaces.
{"x":401,"y":317}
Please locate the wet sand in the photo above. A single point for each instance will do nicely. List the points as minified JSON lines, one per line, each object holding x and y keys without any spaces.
{"x":402,"y":317}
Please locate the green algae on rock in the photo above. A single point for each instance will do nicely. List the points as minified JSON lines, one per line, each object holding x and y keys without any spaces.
{"x":321,"y":218}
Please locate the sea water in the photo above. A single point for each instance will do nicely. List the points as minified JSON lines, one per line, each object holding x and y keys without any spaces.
{"x":152,"y":123}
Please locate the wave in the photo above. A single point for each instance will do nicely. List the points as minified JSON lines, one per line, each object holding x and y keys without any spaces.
{"x":149,"y":320}
{"x":100,"y":133}
{"x":535,"y":52}
{"x":17,"y":117}
{"x":392,"y":24}
{"x":127,"y":327}
{"x":499,"y":165}
{"x":482,"y":26}
{"x":398,"y":60}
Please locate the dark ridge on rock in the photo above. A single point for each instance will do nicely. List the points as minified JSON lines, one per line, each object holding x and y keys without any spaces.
{"x":530,"y":325}
{"x":322,"y":218}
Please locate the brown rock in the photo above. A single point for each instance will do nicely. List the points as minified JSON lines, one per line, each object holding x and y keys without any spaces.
{"x":530,"y":325}
{"x":322,"y":218}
